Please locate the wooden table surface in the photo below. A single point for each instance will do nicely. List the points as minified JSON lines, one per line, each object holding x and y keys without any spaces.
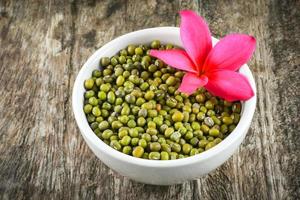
{"x":43,"y":45}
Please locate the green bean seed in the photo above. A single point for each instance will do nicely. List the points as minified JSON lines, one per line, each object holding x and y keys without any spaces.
{"x":134,"y":141}
{"x":116,"y":145}
{"x":186,"y":148}
{"x":175,"y":136}
{"x":106,"y":134}
{"x":177,"y":117}
{"x":164,"y":155}
{"x":155,"y":44}
{"x":154,"y":155}
{"x":89,"y":83}
{"x":138,"y":151}
{"x":209,"y":145}
{"x":127,"y":150}
{"x":149,"y":95}
{"x":227,"y":120}
{"x":173,"y":155}
{"x":214,"y":132}
{"x":176,"y":147}
{"x":155,"y":146}
{"x":93,"y":101}
{"x":125,"y":140}
{"x":87,"y":108}
{"x":194,"y":151}
{"x":89,"y":94}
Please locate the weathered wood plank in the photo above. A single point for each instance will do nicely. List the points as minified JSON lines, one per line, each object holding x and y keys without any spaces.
{"x":257,"y":171}
{"x":44,"y":45}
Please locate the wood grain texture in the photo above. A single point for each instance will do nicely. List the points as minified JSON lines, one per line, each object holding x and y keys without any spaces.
{"x":43,"y":46}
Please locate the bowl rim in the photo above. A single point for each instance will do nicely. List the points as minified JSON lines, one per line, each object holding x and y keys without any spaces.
{"x":77,"y":105}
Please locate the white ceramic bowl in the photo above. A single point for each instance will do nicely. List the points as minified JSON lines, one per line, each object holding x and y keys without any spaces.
{"x":150,"y":171}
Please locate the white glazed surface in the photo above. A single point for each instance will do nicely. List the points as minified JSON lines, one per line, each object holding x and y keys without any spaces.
{"x":150,"y":171}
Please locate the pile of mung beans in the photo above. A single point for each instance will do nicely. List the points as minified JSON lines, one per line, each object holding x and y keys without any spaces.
{"x":132,"y":104}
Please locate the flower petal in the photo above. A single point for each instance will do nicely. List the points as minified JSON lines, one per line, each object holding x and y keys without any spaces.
{"x":229,"y":85}
{"x":175,"y":58}
{"x":195,"y":36}
{"x":230,"y":53}
{"x":191,"y":82}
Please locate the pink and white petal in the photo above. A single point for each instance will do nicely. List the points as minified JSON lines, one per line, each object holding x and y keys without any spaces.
{"x":230,"y":53}
{"x":191,"y":82}
{"x":231,"y":86}
{"x":175,"y":58}
{"x":195,"y":36}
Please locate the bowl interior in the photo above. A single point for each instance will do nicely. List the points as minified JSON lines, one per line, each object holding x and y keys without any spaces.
{"x":165,"y":35}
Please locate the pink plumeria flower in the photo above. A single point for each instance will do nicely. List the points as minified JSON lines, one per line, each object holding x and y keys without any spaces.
{"x":211,"y":67}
